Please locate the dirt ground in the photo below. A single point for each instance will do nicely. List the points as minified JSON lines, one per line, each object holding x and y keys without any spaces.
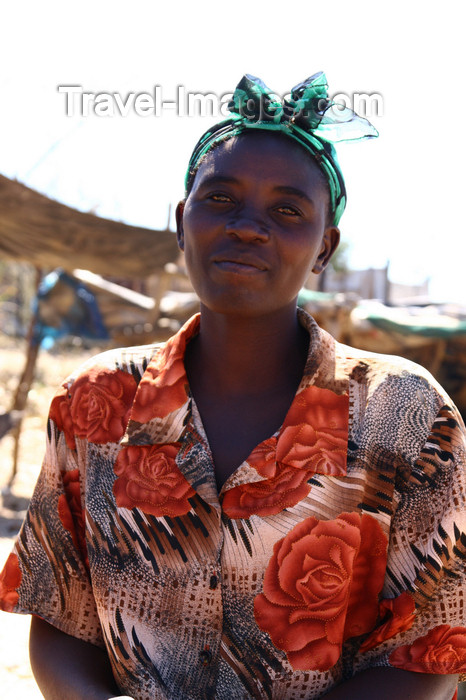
{"x":16,"y":680}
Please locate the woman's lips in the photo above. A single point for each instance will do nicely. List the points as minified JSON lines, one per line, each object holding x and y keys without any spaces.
{"x":241,"y":265}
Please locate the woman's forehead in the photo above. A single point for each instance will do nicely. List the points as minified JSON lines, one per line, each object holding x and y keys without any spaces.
{"x":261,"y":155}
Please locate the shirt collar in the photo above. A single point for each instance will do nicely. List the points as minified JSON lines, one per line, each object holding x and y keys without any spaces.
{"x":162,"y":398}
{"x":161,"y":405}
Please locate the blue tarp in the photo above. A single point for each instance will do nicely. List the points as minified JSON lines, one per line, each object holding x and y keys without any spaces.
{"x":82,"y":317}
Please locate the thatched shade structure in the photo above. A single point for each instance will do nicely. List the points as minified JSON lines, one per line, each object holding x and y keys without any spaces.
{"x":48,"y":234}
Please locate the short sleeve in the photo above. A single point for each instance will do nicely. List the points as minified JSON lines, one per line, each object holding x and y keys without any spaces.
{"x":47,"y":574}
{"x":421,"y":622}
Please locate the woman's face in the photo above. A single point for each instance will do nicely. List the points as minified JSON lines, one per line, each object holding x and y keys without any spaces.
{"x":254,"y":225}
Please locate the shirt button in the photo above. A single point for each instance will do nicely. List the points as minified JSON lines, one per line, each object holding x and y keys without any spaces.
{"x":205,"y":657}
{"x":213,"y":582}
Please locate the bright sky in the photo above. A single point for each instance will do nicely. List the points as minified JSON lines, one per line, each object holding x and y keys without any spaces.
{"x":405,"y":188}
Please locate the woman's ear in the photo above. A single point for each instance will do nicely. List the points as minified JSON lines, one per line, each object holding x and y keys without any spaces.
{"x":330,"y":241}
{"x":179,"y":224}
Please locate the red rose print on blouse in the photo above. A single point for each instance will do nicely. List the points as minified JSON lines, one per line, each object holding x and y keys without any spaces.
{"x":396,"y":615}
{"x":163,"y":388}
{"x":10,"y":580}
{"x":322,"y":577}
{"x":313,"y":438}
{"x":100,"y":403}
{"x":267,"y":497}
{"x":314,"y":435}
{"x":367,"y":577}
{"x":149,"y":479}
{"x":442,"y":650}
{"x":61,"y":416}
{"x":71,"y":513}
{"x":263,"y":458}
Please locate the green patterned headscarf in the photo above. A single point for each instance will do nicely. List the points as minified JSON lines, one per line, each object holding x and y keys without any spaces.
{"x":308,"y":117}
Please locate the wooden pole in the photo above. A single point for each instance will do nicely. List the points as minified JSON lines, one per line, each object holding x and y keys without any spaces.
{"x":24,"y":385}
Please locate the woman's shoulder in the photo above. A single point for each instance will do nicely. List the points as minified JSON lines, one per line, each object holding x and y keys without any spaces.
{"x":337,"y":364}
{"x":132,"y":360}
{"x":378,"y":368}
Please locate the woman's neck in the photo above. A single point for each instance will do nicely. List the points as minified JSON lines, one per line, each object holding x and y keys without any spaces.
{"x":247,"y":356}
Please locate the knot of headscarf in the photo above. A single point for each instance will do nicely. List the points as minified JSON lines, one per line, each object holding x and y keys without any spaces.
{"x":308,"y":116}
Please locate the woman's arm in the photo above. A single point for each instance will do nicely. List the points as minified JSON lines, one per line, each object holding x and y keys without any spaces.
{"x":388,"y":683}
{"x":66,"y":667}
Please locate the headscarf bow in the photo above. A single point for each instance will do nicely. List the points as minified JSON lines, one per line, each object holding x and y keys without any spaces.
{"x":308,"y":116}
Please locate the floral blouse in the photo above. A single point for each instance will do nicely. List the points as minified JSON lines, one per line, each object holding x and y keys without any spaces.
{"x":338,"y":545}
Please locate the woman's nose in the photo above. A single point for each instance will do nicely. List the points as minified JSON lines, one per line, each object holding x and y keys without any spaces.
{"x":248,"y":229}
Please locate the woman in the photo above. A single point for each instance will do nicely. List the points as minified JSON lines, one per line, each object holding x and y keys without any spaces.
{"x":250,"y":510}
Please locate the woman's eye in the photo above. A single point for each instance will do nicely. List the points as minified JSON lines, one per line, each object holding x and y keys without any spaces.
{"x":222,"y":198}
{"x":288,"y":211}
